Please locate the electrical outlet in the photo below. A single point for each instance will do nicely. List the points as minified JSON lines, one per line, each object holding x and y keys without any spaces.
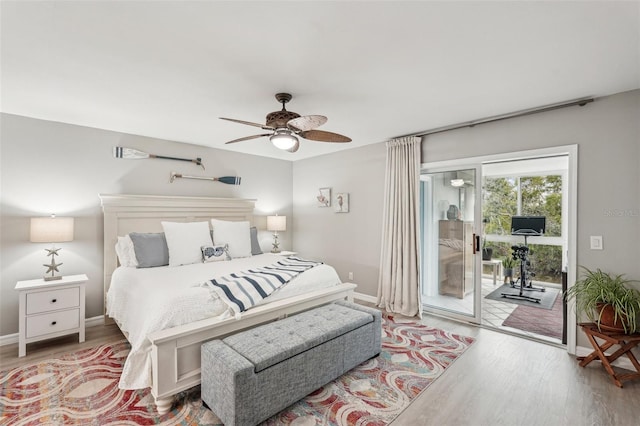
{"x":596,"y":242}
{"x":350,"y":275}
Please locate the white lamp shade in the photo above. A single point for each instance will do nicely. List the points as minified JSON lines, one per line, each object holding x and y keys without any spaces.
{"x":51,"y":229}
{"x":283,"y":139}
{"x":276,"y":223}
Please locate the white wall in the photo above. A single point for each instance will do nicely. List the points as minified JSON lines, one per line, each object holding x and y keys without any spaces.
{"x":348,"y":241}
{"x":49,"y":167}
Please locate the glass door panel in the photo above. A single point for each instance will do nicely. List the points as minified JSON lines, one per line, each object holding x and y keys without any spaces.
{"x":450,"y":263}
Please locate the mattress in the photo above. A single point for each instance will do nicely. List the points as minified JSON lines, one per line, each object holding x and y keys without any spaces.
{"x":145,"y":300}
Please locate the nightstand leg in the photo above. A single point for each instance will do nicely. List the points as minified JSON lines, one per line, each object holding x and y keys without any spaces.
{"x":22,"y":329}
{"x":82,"y":314}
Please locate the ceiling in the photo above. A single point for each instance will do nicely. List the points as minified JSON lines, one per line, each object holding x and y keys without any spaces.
{"x":377,"y":70}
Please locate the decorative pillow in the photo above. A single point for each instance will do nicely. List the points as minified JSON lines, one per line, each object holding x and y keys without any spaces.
{"x":150,"y":249}
{"x":126,"y":252}
{"x":235,"y":234}
{"x":184,"y":240}
{"x":215,"y":253}
{"x":255,"y":245}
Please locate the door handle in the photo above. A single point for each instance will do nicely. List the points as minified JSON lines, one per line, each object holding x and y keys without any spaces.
{"x":476,"y":243}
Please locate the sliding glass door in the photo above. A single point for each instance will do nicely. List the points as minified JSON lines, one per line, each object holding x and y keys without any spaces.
{"x":451,"y":241}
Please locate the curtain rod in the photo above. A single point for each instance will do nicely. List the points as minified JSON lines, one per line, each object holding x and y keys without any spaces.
{"x":550,"y":107}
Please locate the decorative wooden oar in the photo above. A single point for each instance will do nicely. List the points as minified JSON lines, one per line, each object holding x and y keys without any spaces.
{"x":134,"y":154}
{"x":229,"y":180}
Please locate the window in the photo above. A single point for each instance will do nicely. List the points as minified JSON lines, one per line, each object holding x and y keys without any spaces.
{"x":507,"y":196}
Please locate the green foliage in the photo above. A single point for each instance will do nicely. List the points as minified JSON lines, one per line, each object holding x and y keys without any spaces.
{"x":508,"y":262}
{"x":597,"y":287}
{"x":499,"y":204}
{"x":546,"y":261}
{"x":542,"y":196}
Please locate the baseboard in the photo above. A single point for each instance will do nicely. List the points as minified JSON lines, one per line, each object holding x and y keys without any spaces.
{"x":94,"y":321}
{"x":10,"y":339}
{"x":365,"y":297}
{"x":622,"y":362}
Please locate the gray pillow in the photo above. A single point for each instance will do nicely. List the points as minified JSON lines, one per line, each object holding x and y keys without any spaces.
{"x":151,"y":249}
{"x":255,"y":246}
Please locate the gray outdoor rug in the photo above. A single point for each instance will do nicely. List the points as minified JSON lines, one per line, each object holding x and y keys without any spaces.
{"x":546,"y":297}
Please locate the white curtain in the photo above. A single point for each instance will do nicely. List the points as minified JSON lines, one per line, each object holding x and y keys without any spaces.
{"x":399,"y":281}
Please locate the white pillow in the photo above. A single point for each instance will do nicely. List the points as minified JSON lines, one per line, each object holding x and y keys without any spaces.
{"x":235,"y":234}
{"x":184,"y":241}
{"x":126,"y":252}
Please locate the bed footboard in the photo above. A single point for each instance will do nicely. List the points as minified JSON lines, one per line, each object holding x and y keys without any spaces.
{"x":175,"y":352}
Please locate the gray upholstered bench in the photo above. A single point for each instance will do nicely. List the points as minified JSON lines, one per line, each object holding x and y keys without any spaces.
{"x":252,"y":375}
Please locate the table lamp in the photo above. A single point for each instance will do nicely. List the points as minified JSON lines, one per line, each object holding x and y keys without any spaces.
{"x":51,"y":230}
{"x":276,"y":223}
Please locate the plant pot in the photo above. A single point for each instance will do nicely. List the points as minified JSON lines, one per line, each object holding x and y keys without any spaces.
{"x":508,"y":272}
{"x":607,"y":319}
{"x":487,"y":253}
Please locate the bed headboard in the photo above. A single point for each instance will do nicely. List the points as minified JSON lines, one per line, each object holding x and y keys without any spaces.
{"x":143,"y":213}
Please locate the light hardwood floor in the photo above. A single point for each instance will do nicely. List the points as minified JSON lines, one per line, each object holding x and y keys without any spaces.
{"x":500,"y":380}
{"x":506,"y":380}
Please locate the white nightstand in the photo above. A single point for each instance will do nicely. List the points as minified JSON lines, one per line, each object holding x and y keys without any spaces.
{"x":50,"y":309}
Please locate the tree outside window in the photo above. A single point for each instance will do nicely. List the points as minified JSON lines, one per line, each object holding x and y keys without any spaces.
{"x":504,"y":197}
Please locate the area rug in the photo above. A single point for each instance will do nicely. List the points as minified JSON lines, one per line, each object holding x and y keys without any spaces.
{"x":547,"y":297}
{"x":82,"y":387}
{"x":539,"y":321}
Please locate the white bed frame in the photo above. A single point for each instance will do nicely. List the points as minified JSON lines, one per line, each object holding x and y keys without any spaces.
{"x":175,"y":352}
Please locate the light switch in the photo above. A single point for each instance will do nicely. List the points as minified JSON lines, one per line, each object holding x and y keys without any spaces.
{"x":596,"y":242}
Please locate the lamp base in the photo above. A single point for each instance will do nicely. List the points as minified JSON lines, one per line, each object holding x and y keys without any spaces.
{"x":48,"y":278}
{"x":276,"y":244}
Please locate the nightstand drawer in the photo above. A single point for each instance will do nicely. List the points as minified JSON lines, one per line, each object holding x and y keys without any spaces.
{"x":54,"y":322}
{"x":52,"y":300}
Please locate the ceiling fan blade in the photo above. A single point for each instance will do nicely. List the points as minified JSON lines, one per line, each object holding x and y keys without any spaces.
{"x":295,"y":147}
{"x":246,"y":138}
{"x":322,"y":136}
{"x":306,"y":122}
{"x":248,"y":123}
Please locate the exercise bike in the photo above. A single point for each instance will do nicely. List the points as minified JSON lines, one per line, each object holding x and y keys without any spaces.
{"x":525,"y":226}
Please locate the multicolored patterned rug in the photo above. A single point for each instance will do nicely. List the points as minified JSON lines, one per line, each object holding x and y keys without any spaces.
{"x":82,"y":387}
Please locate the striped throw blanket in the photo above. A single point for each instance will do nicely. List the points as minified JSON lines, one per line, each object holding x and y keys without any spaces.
{"x":245,"y":289}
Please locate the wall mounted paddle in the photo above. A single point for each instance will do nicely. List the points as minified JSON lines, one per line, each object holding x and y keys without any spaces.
{"x":229,"y":180}
{"x":134,"y":154}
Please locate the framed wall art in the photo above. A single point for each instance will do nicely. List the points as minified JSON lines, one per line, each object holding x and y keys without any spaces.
{"x":341,"y":202}
{"x":324,"y":197}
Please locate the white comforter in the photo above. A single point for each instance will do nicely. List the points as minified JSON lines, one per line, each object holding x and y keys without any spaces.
{"x":150,"y":299}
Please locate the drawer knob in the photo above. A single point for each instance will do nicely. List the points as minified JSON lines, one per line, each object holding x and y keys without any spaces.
{"x":54,"y":300}
{"x":54,"y":322}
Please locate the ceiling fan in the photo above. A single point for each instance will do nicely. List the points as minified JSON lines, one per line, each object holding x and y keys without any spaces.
{"x":285,"y":126}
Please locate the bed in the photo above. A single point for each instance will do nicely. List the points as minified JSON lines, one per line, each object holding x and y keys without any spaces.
{"x":165,"y":354}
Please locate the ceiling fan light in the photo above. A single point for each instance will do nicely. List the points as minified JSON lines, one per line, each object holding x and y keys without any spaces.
{"x":283,"y":139}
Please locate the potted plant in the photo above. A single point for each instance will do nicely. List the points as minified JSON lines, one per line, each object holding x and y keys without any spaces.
{"x":508,"y":263}
{"x":607,"y":300}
